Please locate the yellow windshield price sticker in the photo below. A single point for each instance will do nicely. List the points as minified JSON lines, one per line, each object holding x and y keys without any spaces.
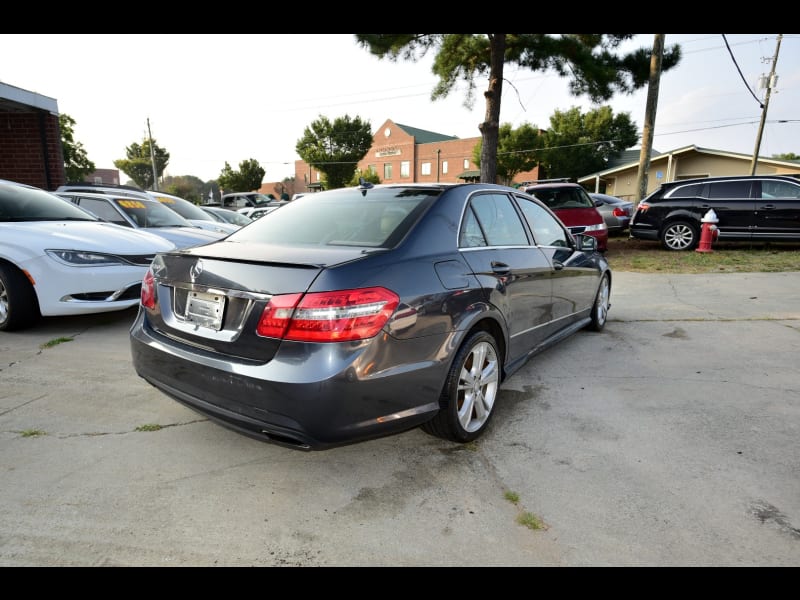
{"x":166,"y":200}
{"x":131,"y":204}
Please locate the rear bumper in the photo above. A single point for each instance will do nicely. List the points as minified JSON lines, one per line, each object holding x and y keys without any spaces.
{"x":643,"y":234}
{"x":334,"y":396}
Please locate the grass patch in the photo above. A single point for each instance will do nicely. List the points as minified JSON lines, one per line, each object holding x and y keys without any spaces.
{"x":55,"y":342}
{"x":642,"y":256}
{"x":527,"y":519}
{"x":32,"y":432}
{"x":149,"y":427}
{"x":530,"y":520}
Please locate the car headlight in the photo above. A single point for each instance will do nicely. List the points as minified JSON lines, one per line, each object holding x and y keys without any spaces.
{"x":600,"y":227}
{"x":79,"y":258}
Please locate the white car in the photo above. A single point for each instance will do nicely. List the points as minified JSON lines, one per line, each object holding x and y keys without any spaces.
{"x":57,"y":259}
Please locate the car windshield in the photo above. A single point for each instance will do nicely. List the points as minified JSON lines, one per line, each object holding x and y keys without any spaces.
{"x":21,"y":203}
{"x":229,"y":216}
{"x":184,"y":208}
{"x":556,"y":198}
{"x":374,"y":218}
{"x":151,"y":214}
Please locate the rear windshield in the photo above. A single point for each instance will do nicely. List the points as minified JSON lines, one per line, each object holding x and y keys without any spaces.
{"x":556,"y":198}
{"x":374,"y":218}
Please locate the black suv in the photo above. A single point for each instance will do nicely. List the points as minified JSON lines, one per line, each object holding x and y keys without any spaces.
{"x":757,"y":208}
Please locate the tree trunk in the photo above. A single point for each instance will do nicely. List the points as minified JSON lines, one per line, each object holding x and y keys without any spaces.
{"x":650,"y":115}
{"x":490,"y":128}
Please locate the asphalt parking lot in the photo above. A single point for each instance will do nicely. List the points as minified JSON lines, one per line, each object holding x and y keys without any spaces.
{"x":669,"y":439}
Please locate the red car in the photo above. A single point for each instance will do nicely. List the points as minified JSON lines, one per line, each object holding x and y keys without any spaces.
{"x":573,"y":205}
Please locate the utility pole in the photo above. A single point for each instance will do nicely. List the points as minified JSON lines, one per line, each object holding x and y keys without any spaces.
{"x":650,"y":115}
{"x":770,"y":84}
{"x":152,"y":156}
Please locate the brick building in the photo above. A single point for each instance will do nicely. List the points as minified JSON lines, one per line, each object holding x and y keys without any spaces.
{"x":403,"y":154}
{"x":30,"y":139}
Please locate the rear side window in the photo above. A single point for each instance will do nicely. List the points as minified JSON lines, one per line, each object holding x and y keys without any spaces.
{"x":687,"y":191}
{"x":493,"y":218}
{"x":103,"y":210}
{"x":729,"y":189}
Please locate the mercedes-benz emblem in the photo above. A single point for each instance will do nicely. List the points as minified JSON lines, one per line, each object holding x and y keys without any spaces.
{"x":196,"y":270}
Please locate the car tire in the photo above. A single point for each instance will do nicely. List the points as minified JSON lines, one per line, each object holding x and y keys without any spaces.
{"x":470,"y":391}
{"x":602,"y":302}
{"x":680,"y":235}
{"x":19,"y":307}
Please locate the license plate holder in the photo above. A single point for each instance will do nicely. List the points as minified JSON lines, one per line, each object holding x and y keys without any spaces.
{"x":205,"y":309}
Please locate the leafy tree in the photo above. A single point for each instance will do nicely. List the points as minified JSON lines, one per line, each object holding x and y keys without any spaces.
{"x":517,"y":150}
{"x":76,"y":162}
{"x":787,"y":156}
{"x":368,"y":175}
{"x":139,"y":166}
{"x":248,"y":178}
{"x":590,"y":60}
{"x":334,"y":148}
{"x":186,"y":186}
{"x":577,"y":143}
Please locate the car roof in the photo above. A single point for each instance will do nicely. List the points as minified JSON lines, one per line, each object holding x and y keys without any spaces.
{"x":551,"y":185}
{"x":107,"y":196}
{"x":794,"y":178}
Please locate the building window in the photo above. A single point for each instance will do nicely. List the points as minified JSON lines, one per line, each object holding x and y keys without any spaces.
{"x":98,"y":180}
{"x":466,"y":164}
{"x":387,"y":170}
{"x":372,"y":169}
{"x":444,"y":167}
{"x":405,"y":168}
{"x":425,"y":168}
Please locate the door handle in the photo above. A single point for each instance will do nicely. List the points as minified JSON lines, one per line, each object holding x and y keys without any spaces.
{"x":500,"y":268}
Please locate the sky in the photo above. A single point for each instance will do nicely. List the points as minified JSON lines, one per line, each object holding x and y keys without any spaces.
{"x":215,"y":98}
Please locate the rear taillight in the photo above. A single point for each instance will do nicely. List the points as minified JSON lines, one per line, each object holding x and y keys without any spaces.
{"x":643,"y":206}
{"x":148,"y":296}
{"x":621,"y":212}
{"x":339,"y":316}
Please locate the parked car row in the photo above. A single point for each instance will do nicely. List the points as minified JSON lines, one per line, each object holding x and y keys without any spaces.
{"x":75,"y":290}
{"x":188,"y":210}
{"x":142,"y":213}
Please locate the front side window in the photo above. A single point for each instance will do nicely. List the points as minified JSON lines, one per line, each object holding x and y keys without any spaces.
{"x":779,"y":189}
{"x":546,"y":229}
{"x":103,"y":210}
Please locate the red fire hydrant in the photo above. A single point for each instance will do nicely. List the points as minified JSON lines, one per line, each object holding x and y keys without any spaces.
{"x":709,"y":231}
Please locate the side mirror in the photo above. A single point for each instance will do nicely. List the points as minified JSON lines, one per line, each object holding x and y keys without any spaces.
{"x":585,"y":243}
